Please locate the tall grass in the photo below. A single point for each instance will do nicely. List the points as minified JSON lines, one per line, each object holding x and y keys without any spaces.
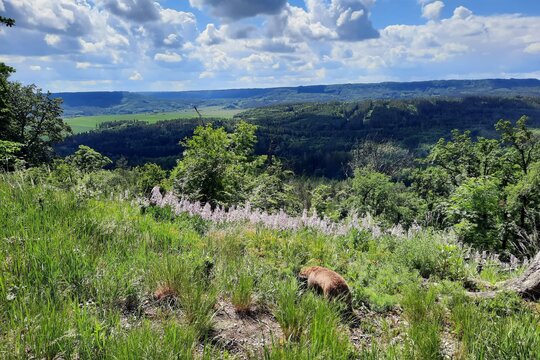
{"x":78,"y":277}
{"x":494,"y":331}
{"x":425,"y":319}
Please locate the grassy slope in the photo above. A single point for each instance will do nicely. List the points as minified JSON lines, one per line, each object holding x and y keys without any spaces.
{"x":77,"y":277}
{"x":87,"y":123}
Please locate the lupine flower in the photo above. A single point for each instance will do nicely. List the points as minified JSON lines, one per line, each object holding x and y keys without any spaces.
{"x":279,"y":221}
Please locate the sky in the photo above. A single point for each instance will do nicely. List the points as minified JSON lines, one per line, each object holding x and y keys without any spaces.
{"x":174,"y":45}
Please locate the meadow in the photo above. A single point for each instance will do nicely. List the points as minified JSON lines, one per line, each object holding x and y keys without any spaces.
{"x":91,"y":275}
{"x":82,"y":124}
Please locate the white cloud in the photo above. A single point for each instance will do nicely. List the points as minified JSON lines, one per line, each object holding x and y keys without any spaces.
{"x":51,"y":39}
{"x":136,"y":76}
{"x":170,"y":57}
{"x":432,"y":11}
{"x":2,"y":6}
{"x":325,"y":41}
{"x":533,"y":48}
{"x":461,"y":12}
{"x":82,"y":65}
{"x":35,"y":68}
{"x":346,"y":20}
{"x":211,"y":36}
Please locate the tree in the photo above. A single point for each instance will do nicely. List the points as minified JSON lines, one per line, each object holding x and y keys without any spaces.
{"x":384,"y":157}
{"x":272,"y":191}
{"x":148,"y":176}
{"x":7,"y":21}
{"x":87,"y":159}
{"x":34,"y":120}
{"x":375,"y":193}
{"x":523,"y":142}
{"x":5,"y":72}
{"x":217,"y":167}
{"x":476,"y":212}
{"x":463,"y":158}
{"x":524,"y":198}
{"x":524,"y":150}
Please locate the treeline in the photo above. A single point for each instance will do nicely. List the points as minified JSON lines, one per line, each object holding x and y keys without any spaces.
{"x":316,"y":139}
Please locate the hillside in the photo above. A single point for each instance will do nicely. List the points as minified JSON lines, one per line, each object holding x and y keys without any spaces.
{"x":316,"y":138}
{"x":89,"y":277}
{"x":99,"y":103}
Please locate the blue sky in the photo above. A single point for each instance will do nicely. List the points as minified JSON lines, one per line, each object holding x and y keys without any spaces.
{"x":168,"y":45}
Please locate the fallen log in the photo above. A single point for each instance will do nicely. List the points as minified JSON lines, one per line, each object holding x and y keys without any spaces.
{"x":526,"y":285}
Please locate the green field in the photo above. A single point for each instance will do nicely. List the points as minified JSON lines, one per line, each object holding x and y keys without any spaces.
{"x":86,"y":123}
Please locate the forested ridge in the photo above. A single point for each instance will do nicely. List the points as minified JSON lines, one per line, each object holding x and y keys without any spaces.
{"x":316,"y":138}
{"x":97,"y":103}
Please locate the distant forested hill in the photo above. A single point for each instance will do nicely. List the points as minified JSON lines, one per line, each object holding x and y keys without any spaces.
{"x":316,"y":138}
{"x":98,"y":103}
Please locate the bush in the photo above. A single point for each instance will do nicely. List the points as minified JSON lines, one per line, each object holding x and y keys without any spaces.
{"x":432,"y":255}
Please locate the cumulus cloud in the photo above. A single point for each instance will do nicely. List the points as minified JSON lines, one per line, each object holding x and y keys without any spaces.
{"x":169,"y":57}
{"x":211,"y":36}
{"x":35,"y":68}
{"x":136,"y":10}
{"x":461,"y":12}
{"x":51,"y":39}
{"x":346,"y":20}
{"x":136,"y":76}
{"x":239,"y":9}
{"x":324,"y":41}
{"x":432,"y":11}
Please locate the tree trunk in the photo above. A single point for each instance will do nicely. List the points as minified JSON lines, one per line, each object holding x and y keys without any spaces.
{"x":528,"y":284}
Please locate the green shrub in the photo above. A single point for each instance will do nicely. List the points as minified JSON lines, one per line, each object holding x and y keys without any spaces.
{"x":432,"y":255}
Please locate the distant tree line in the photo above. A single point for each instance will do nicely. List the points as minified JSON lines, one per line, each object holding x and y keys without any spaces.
{"x":316,"y":139}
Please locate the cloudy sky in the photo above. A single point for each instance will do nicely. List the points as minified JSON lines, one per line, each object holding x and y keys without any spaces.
{"x":79,"y":45}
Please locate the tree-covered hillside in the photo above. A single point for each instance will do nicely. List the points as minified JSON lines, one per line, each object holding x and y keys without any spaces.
{"x":98,"y":103}
{"x":316,"y":139}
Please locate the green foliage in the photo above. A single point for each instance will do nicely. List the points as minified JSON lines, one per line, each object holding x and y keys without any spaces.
{"x":463,"y":158}
{"x":376,"y":194}
{"x":141,"y":116}
{"x":524,"y":204}
{"x":86,"y":159}
{"x":292,"y":318}
{"x":7,"y":21}
{"x":9,"y":155}
{"x":148,"y":176}
{"x":384,"y":157}
{"x":310,"y":326}
{"x":475,"y":208}
{"x":432,"y":255}
{"x":271,"y":190}
{"x":78,"y":277}
{"x":217,"y":167}
{"x":34,"y":120}
{"x":524,"y":144}
{"x":315,"y":139}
